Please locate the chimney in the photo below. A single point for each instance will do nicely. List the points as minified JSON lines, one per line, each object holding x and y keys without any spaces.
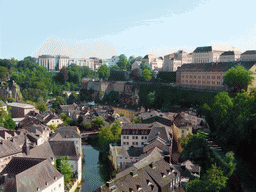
{"x":25,"y":147}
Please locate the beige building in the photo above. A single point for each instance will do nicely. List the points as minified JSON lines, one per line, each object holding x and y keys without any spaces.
{"x":208,"y":75}
{"x":175,"y":60}
{"x":249,"y":55}
{"x":205,"y":55}
{"x":153,"y":62}
{"x":136,"y":65}
{"x":53,"y":62}
{"x":229,"y":56}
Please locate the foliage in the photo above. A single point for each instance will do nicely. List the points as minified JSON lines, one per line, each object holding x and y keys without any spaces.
{"x":86,"y":95}
{"x":137,"y":119}
{"x":53,"y":127}
{"x":63,"y":165}
{"x":9,"y":123}
{"x":135,"y":74}
{"x":98,"y":122}
{"x":66,"y":120}
{"x":3,"y":73}
{"x":229,"y":158}
{"x":118,"y":76}
{"x":166,"y":76}
{"x":87,"y":125}
{"x":122,"y":62}
{"x":112,"y":97}
{"x":238,"y":78}
{"x":151,"y":99}
{"x":10,"y":100}
{"x":213,"y":180}
{"x":72,"y":98}
{"x":116,"y":130}
{"x":147,"y":74}
{"x":41,"y":105}
{"x":103,"y":72}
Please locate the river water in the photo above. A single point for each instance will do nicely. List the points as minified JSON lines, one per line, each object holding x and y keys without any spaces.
{"x":92,"y":169}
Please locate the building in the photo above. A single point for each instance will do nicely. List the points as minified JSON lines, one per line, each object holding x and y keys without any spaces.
{"x":155,"y":116}
{"x":183,"y":126}
{"x":175,"y":60}
{"x":19,"y":110}
{"x":31,"y":174}
{"x":53,"y":62}
{"x":151,"y":173}
{"x":50,"y":118}
{"x":67,"y":148}
{"x":153,"y":62}
{"x":136,"y":65}
{"x":208,"y":75}
{"x":230,"y":56}
{"x":113,"y":61}
{"x":249,"y":55}
{"x":205,"y":55}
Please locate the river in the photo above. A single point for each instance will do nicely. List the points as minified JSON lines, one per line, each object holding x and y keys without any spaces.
{"x":96,"y":172}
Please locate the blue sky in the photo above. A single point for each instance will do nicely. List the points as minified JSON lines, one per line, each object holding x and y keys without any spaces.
{"x":82,"y":28}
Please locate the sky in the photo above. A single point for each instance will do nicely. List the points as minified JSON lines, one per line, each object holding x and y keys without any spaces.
{"x":100,"y":28}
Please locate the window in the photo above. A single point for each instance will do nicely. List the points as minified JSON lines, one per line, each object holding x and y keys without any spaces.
{"x":127,"y":137}
{"x":218,"y":77}
{"x":142,"y":143}
{"x":208,"y":77}
{"x":142,"y":137}
{"x":194,"y":81}
{"x":190,"y":76}
{"x":186,"y":81}
{"x":190,"y":81}
{"x":186,"y":76}
{"x":127,"y":143}
{"x":133,"y":143}
{"x":213,"y":77}
{"x":133,"y":137}
{"x":203,"y":82}
{"x":208,"y":82}
{"x":182,"y":76}
{"x":145,"y":137}
{"x":124,"y":137}
{"x":182,"y":81}
{"x":136,"y":137}
{"x":199,"y":82}
{"x":199,"y":77}
{"x":120,"y":157}
{"x":213,"y":82}
{"x":203,"y":77}
{"x":123,"y":143}
{"x":194,"y":77}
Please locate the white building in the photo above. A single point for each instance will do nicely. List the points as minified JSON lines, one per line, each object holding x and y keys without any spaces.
{"x":230,"y":56}
{"x":249,"y":55}
{"x":205,"y":55}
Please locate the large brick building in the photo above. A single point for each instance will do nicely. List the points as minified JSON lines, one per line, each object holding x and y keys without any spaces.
{"x":208,"y":75}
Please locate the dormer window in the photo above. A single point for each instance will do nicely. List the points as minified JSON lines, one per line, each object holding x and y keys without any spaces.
{"x":138,"y":188}
{"x":163,"y":175}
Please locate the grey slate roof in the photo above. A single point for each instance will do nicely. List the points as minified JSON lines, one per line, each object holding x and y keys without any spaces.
{"x":67,"y":133}
{"x":8,"y":147}
{"x":227,"y":53}
{"x":42,"y":151}
{"x":30,"y":174}
{"x":64,"y":148}
{"x":214,"y":67}
{"x":203,"y":49}
{"x":249,"y":52}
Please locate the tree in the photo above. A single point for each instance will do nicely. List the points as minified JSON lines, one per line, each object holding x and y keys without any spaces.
{"x":105,"y":138}
{"x":147,"y":74}
{"x":71,"y":99}
{"x":122,"y":62}
{"x":41,"y":105}
{"x":103,"y":72}
{"x":98,"y":122}
{"x":112,"y":97}
{"x":213,"y":180}
{"x":3,"y":73}
{"x":63,"y":165}
{"x":9,"y":123}
{"x":116,"y":130}
{"x":238,"y":78}
{"x":65,"y":73}
{"x":137,"y":119}
{"x":151,"y":99}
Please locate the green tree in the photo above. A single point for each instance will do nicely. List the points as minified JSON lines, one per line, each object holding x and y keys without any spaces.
{"x":137,"y":119}
{"x":3,"y":73}
{"x":98,"y":122}
{"x":147,"y":74}
{"x":116,"y":130}
{"x":41,"y":105}
{"x":63,"y":165}
{"x":103,"y":72}
{"x":112,"y":97}
{"x":105,"y":138}
{"x":213,"y":180}
{"x":151,"y":99}
{"x":87,"y":125}
{"x":9,"y":123}
{"x":122,"y":62}
{"x":229,"y":158}
{"x":238,"y":78}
